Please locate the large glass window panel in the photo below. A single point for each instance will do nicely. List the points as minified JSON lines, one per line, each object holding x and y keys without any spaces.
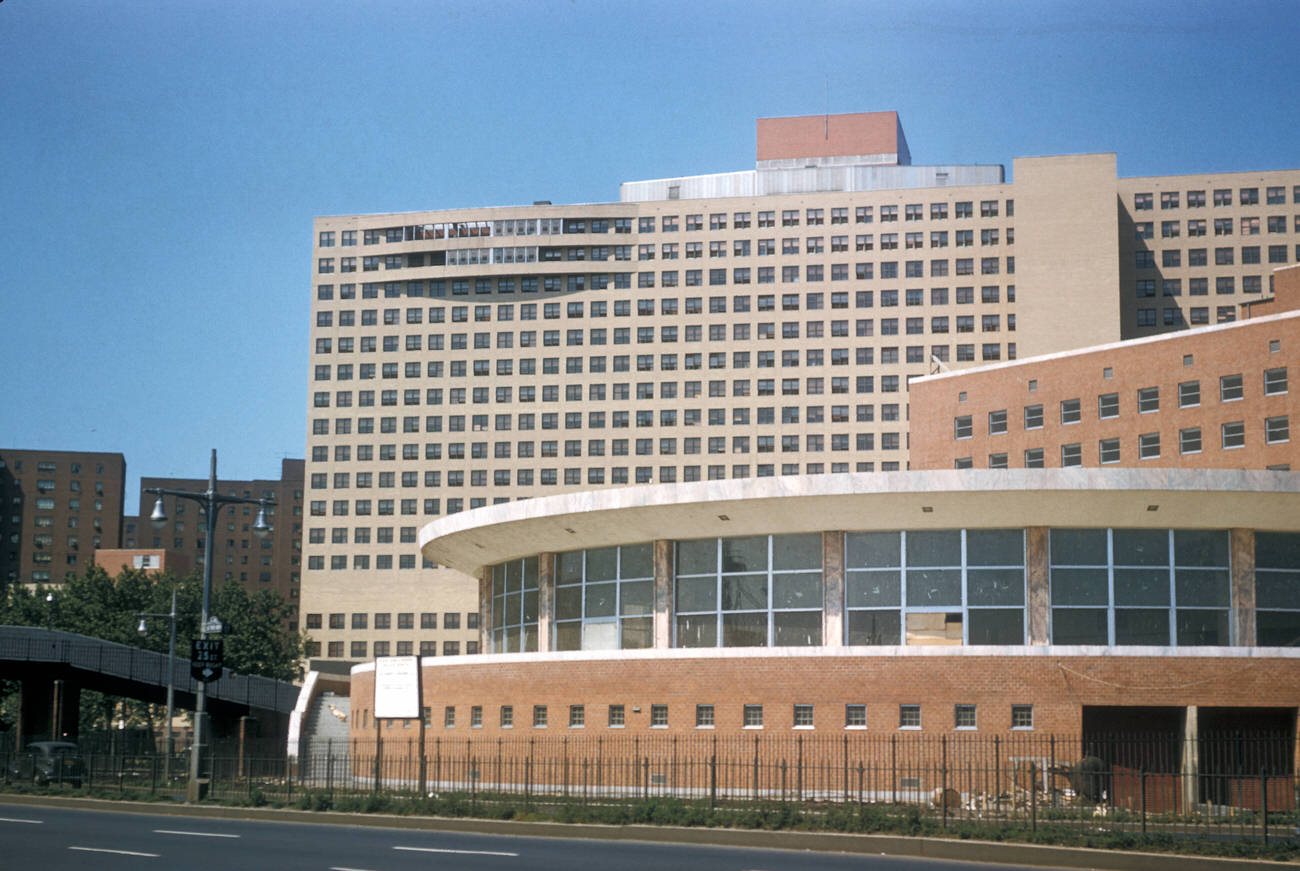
{"x":872,"y":589}
{"x":697,"y":594}
{"x":1142,"y":626}
{"x":1080,"y":587}
{"x":797,"y":629}
{"x":1274,"y":589}
{"x":1202,"y":588}
{"x":1141,"y":587}
{"x":568,"y":636}
{"x":697,"y":556}
{"x":697,"y":630}
{"x":1277,"y":550}
{"x":1201,"y":547}
{"x":600,"y":600}
{"x":602,"y":564}
{"x":1202,"y":627}
{"x":636,"y":561}
{"x":996,"y":626}
{"x":744,"y":554}
{"x":995,"y":547}
{"x":797,"y":590}
{"x":637,"y":597}
{"x":1277,"y":628}
{"x":933,"y":587}
{"x":744,"y":630}
{"x":869,"y":550}
{"x":995,"y":587}
{"x":568,"y":603}
{"x":1141,"y":547}
{"x":744,"y":592}
{"x":1078,"y":547}
{"x":797,"y":551}
{"x":638,"y":633}
{"x":873,"y":628}
{"x":1079,"y":626}
{"x":600,"y":636}
{"x":568,"y":567}
{"x":934,"y":548}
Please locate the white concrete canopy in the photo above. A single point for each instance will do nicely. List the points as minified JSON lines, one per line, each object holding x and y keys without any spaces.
{"x":1128,"y":498}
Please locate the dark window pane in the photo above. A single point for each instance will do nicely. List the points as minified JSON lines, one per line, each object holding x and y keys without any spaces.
{"x":1079,"y":626}
{"x":932,"y":587}
{"x":872,"y":550}
{"x":873,"y":627}
{"x":871,"y":589}
{"x":797,"y":551}
{"x":744,"y":554}
{"x":697,"y":556}
{"x":1277,"y":628}
{"x":744,"y":630}
{"x":1141,"y":587}
{"x":996,"y":626}
{"x":934,"y":548}
{"x":1141,"y":547}
{"x":797,"y":629}
{"x":1203,"y":628}
{"x":1142,"y":626}
{"x":1201,"y":547}
{"x":1080,"y":587}
{"x":1078,"y":547}
{"x":995,"y":547}
{"x":995,"y":587}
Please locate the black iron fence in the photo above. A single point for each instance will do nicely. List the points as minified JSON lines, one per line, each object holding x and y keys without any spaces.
{"x":1220,"y":785}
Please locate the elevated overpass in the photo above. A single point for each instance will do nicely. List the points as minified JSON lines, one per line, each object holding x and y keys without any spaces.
{"x":54,"y":666}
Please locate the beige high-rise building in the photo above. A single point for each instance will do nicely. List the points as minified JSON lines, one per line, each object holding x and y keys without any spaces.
{"x":750,"y":324}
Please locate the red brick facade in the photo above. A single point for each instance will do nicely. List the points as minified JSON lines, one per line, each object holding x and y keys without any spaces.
{"x":952,"y":423}
{"x":1057,"y":686}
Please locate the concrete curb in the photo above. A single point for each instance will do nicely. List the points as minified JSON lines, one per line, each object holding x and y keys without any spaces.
{"x":822,"y":842}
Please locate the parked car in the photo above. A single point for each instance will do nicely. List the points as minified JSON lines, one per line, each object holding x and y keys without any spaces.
{"x":48,"y":762}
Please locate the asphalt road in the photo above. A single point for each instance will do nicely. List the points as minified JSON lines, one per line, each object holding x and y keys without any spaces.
{"x":53,"y":839}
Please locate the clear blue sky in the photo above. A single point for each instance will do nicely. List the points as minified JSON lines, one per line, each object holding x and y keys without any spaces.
{"x":161,"y":160}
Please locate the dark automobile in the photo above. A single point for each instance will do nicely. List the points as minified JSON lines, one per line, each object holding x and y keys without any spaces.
{"x":48,"y":762}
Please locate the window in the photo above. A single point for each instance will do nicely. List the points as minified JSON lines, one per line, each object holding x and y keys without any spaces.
{"x":1189,"y":394}
{"x":997,"y":422}
{"x":909,"y":716}
{"x":1275,"y":381}
{"x":659,"y":713}
{"x":1108,"y":450}
{"x":963,"y":427}
{"x":1033,"y":417}
{"x":1230,"y":388}
{"x":1070,"y":411}
{"x":539,"y":716}
{"x":1234,"y":434}
{"x":507,"y":716}
{"x":616,"y":717}
{"x":803,"y":716}
{"x":704,"y":716}
{"x":1149,"y":446}
{"x":752,"y":717}
{"x":1071,"y":455}
{"x":1148,"y":399}
{"x":1022,"y":716}
{"x":1189,"y":440}
{"x":963,"y":717}
{"x":577,"y":713}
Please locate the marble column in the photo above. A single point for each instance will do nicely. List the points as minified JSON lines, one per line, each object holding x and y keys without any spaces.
{"x":663,"y":627}
{"x":485,"y":622}
{"x":545,"y":601}
{"x":833,"y":589}
{"x":1038,"y":599}
{"x":1242,"y":615}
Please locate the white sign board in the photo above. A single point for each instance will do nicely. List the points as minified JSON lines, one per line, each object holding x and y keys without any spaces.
{"x":397,"y":687}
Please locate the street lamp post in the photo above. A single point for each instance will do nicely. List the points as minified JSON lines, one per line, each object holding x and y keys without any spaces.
{"x":212,"y":502}
{"x":143,"y":629}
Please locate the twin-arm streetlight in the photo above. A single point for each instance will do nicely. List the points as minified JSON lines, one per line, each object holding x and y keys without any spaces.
{"x":143,"y":629}
{"x":211,"y":501}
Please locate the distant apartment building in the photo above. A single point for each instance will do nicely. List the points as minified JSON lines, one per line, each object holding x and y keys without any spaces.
{"x":149,"y":560}
{"x":270,"y":563}
{"x":59,"y":506}
{"x":760,"y":323}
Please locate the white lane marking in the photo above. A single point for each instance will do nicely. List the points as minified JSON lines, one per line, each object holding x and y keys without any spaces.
{"x":194,"y":834}
{"x":342,"y":868}
{"x":116,"y":852}
{"x":18,"y":820}
{"x":457,"y":852}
